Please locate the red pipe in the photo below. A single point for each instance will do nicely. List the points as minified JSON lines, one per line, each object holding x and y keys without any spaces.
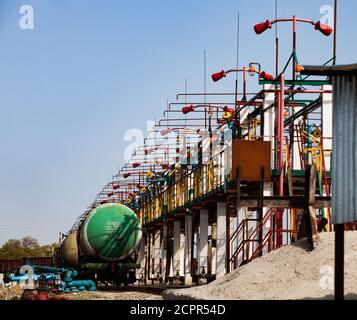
{"x":281,"y":135}
{"x":281,"y":99}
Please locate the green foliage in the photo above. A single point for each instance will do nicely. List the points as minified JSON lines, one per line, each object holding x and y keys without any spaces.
{"x":27,"y":247}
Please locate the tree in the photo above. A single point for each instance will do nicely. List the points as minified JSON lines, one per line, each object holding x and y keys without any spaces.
{"x":12,"y":249}
{"x":27,"y":247}
{"x":30,"y":243}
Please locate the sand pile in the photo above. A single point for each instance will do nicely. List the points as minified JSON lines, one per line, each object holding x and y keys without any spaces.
{"x":291,"y":272}
{"x":8,"y":294}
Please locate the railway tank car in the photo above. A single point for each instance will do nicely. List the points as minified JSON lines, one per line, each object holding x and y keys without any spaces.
{"x":104,"y":245}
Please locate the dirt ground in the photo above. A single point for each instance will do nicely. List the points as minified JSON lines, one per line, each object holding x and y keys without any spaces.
{"x":6,"y":294}
{"x":291,"y":272}
{"x":106,"y":295}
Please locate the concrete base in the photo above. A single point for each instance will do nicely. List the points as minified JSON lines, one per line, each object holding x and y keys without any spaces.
{"x":188,"y":280}
{"x":221,"y":239}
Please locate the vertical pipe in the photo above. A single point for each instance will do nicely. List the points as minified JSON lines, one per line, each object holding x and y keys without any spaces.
{"x":244,"y":84}
{"x":294,"y":47}
{"x":228,"y":238}
{"x":260,"y":212}
{"x":335,"y":33}
{"x":281,"y":134}
{"x":281,"y":156}
{"x":276,"y":57}
{"x":339,"y":261}
{"x":237,"y":64}
{"x":236,"y":95}
{"x":276,"y":41}
{"x":277,"y":131}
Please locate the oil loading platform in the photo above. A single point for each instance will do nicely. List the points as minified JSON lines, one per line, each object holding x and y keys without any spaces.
{"x":228,"y":177}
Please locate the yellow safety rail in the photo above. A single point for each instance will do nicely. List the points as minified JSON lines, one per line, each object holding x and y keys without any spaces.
{"x":188,"y":186}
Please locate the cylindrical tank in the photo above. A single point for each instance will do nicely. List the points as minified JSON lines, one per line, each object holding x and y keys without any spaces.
{"x":111,"y":233}
{"x":69,"y":250}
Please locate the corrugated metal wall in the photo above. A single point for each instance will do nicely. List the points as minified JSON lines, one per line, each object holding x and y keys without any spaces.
{"x":344,"y":154}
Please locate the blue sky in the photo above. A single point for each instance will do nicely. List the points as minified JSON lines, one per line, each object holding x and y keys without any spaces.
{"x":90,"y":70}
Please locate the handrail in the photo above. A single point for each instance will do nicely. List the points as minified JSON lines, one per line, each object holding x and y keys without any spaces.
{"x":251,"y":237}
{"x":204,"y":177}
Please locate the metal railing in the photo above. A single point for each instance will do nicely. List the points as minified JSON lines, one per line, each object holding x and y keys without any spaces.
{"x":244,"y":240}
{"x":189,"y":185}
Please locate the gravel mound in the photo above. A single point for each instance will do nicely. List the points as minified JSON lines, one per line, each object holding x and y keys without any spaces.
{"x":7,"y":294}
{"x":290,"y":273}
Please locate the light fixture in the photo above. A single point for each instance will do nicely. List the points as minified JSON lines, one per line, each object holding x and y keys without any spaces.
{"x":150,"y":175}
{"x":165,"y":132}
{"x":299,"y":68}
{"x":116,"y":186}
{"x":323,"y":28}
{"x":252,"y":71}
{"x":227,"y":109}
{"x":149,"y":151}
{"x":261,"y":27}
{"x":126,"y":175}
{"x":218,"y":76}
{"x":109,"y":194}
{"x":136,"y":164}
{"x":188,"y":109}
{"x":227,"y":113}
{"x":266,"y":76}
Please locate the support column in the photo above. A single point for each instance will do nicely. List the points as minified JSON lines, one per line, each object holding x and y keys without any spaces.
{"x":164,"y":252}
{"x":221,"y":239}
{"x":188,"y":249}
{"x":177,"y":248}
{"x":157,"y":249}
{"x":269,"y":120}
{"x":203,"y":241}
{"x":296,"y":152}
{"x":148,"y":256}
{"x":140,"y":272}
{"x":213,"y":248}
{"x":182,"y":253}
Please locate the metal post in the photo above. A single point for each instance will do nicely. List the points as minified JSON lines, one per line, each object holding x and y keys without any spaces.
{"x":281,"y":134}
{"x":294,"y":47}
{"x":228,"y":238}
{"x":339,"y":261}
{"x":260,"y":211}
{"x":281,"y":97}
{"x":244,"y":84}
{"x":335,"y":34}
{"x":277,"y":57}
